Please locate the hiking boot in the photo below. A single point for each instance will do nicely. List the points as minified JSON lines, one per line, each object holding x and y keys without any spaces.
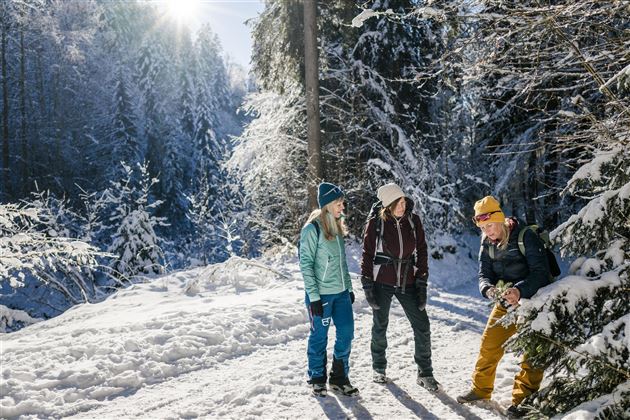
{"x":469,"y":397}
{"x":428,"y":382}
{"x":379,"y":377}
{"x":345,"y":389}
{"x":514,"y":412}
{"x":319,"y":390}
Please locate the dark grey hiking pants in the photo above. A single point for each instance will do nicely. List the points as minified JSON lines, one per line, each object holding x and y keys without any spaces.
{"x":419,"y":324}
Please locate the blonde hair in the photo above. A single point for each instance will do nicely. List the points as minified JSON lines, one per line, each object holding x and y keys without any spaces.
{"x":388,"y":212}
{"x":331,"y":226}
{"x":505,"y":230}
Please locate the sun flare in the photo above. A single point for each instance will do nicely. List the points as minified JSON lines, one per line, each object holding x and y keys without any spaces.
{"x":182,"y":10}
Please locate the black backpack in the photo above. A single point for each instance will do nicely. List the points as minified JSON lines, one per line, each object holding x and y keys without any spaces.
{"x":543,"y":235}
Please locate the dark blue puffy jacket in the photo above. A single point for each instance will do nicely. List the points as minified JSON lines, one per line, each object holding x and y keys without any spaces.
{"x":527,"y":272}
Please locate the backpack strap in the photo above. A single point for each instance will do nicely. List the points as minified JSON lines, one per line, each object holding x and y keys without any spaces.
{"x":314,"y":223}
{"x":316,"y":228}
{"x":413,"y":229}
{"x":379,"y":232}
{"x":521,"y":241}
{"x":521,"y":236}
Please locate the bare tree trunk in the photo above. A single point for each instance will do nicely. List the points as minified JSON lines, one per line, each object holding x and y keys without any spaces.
{"x":311,"y":67}
{"x":5,"y":111}
{"x":23,"y":137}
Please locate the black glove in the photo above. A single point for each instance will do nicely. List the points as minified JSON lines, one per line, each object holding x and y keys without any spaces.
{"x":421,"y":290}
{"x":368,"y":285}
{"x":317,"y":309}
{"x":351,"y":298}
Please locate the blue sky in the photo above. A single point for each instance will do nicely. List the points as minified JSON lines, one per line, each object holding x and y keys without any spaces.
{"x":226,"y":18}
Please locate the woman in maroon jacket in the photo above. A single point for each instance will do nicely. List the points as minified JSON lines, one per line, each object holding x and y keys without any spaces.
{"x":394,"y":263}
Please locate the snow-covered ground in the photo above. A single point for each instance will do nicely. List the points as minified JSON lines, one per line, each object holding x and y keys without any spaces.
{"x":229,"y":341}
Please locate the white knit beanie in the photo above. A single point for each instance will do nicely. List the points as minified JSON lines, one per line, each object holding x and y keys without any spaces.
{"x":389,"y":193}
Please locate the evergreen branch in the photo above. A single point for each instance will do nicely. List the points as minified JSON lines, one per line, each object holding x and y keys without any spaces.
{"x":585,"y":355}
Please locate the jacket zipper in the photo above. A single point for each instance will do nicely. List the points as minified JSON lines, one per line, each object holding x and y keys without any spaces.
{"x":340,"y":264}
{"x":326,"y":269}
{"x":400,"y":244}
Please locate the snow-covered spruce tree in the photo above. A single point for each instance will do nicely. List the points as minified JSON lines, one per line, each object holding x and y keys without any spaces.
{"x":164,"y":150}
{"x":35,"y":251}
{"x":136,"y":246}
{"x":577,"y":328}
{"x":124,"y":143}
{"x":208,"y":149}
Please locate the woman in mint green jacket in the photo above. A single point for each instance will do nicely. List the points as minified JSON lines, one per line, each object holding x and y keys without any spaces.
{"x":328,"y":291}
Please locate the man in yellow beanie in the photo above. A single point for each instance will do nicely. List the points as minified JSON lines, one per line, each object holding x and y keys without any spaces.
{"x":501,"y":260}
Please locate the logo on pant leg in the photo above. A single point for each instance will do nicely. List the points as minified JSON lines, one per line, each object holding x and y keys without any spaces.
{"x":326,"y":321}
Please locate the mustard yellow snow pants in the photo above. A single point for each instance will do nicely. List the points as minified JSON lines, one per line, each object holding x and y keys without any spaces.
{"x":526,"y":382}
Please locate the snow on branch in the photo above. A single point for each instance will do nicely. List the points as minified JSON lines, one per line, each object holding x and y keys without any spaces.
{"x":26,"y":247}
{"x":9,"y":317}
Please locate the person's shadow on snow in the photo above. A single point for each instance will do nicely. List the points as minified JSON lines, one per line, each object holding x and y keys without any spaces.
{"x":419,"y":410}
{"x":354,"y":404}
{"x":332,"y":408}
{"x":406,"y":400}
{"x":460,"y":409}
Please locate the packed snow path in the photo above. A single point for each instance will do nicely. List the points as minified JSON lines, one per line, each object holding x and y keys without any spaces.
{"x":229,"y":341}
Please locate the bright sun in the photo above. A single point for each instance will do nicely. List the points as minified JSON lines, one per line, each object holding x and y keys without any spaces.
{"x":183,"y":10}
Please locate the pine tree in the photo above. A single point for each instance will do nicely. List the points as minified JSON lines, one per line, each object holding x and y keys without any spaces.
{"x":124,"y":143}
{"x":577,"y":329}
{"x":135,"y":243}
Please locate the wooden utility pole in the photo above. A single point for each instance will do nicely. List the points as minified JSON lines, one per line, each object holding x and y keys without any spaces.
{"x":311,"y":70}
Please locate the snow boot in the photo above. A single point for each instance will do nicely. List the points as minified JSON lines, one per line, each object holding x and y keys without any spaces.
{"x":428,"y":382}
{"x":469,"y":397}
{"x":339,"y":382}
{"x":514,"y":412}
{"x":319,"y":390}
{"x":379,"y":377}
{"x":318,"y":386}
{"x":345,"y":389}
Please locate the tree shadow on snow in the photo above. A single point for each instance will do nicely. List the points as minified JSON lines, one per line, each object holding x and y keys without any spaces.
{"x":459,"y":325}
{"x":479,"y":314}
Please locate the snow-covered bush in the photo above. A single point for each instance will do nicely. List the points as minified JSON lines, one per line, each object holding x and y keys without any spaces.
{"x":13,"y":319}
{"x":33,"y":247}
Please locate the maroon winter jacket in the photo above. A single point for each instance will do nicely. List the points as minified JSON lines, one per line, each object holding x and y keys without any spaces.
{"x":394,"y":233}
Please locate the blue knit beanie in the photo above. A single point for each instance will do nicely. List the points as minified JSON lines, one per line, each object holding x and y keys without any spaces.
{"x":327,"y":193}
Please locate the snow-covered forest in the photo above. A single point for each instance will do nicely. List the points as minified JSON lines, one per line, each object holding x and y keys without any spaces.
{"x":137,"y":159}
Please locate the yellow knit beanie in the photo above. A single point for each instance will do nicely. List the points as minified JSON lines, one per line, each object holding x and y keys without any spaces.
{"x":487,"y":210}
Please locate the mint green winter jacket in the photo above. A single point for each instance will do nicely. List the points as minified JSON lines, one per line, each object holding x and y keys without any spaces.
{"x":323,"y":263}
